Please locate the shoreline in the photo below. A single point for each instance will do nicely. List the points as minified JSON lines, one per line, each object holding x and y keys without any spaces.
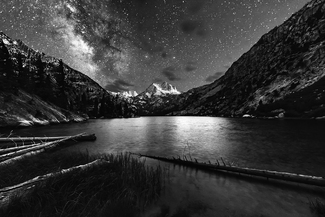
{"x":28,"y":124}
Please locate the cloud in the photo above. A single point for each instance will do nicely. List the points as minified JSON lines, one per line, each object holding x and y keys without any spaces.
{"x":164,"y":54}
{"x":214,"y":77}
{"x":119,"y":85}
{"x":169,"y":73}
{"x":193,"y":27}
{"x":202,"y":32}
{"x":189,"y":26}
{"x":191,"y":66}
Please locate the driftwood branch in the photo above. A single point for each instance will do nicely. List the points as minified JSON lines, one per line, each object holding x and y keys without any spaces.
{"x":13,"y":156}
{"x":8,"y":150}
{"x":15,"y":141}
{"x":55,"y":174}
{"x":299,"y":178}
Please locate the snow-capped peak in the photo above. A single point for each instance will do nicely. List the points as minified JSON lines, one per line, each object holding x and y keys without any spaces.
{"x":162,"y":89}
{"x":129,"y":93}
{"x":126,"y":94}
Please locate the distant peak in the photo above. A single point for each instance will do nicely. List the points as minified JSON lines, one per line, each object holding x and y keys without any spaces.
{"x":160,"y":89}
{"x":128,"y":93}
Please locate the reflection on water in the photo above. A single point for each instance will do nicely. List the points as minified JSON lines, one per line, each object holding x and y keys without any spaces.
{"x":286,"y":145}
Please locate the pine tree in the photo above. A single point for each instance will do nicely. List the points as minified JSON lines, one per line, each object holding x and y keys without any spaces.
{"x":6,"y":70}
{"x":40,"y":73}
{"x":102,"y":108}
{"x":22,"y":77}
{"x":61,"y":75}
{"x":95,"y":111}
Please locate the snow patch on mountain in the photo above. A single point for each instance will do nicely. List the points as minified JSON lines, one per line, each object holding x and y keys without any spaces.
{"x":129,"y":93}
{"x":125,"y":94}
{"x":162,"y":89}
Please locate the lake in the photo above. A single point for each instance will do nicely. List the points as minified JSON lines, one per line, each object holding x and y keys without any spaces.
{"x":296,"y":146}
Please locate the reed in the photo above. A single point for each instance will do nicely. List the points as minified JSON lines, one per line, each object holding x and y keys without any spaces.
{"x":317,"y":207}
{"x":124,"y":187}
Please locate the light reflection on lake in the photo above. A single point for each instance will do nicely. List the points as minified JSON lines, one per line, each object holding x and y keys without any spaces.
{"x":286,"y":145}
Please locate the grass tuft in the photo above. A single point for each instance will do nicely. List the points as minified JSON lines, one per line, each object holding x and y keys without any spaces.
{"x":317,"y":207}
{"x":122,"y":188}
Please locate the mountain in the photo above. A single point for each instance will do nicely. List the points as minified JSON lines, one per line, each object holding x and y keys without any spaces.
{"x":129,"y":93}
{"x":163,"y":89}
{"x":281,"y":75}
{"x":155,"y":98}
{"x":25,"y":72}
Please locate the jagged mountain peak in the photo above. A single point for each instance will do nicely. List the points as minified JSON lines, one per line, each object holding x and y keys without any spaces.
{"x":6,"y":39}
{"x":160,"y":90}
{"x":129,"y":93}
{"x":3,"y":35}
{"x":155,"y":97}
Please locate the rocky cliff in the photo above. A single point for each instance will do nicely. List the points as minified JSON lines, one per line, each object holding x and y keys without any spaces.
{"x":50,"y":80}
{"x":282,"y":74}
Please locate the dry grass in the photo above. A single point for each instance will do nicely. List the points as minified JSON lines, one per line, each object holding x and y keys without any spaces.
{"x":317,"y":207}
{"x":122,"y":188}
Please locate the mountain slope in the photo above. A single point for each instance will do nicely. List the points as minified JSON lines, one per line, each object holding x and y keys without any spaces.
{"x":36,"y":74}
{"x":281,"y":74}
{"x":24,"y":109}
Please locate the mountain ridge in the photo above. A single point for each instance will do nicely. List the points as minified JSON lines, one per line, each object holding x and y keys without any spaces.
{"x":275,"y":71}
{"x":156,"y":97}
{"x":24,"y":70}
{"x":162,"y":89}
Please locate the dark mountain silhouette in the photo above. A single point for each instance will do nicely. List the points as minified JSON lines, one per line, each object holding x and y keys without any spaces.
{"x":281,"y":75}
{"x":25,"y":72}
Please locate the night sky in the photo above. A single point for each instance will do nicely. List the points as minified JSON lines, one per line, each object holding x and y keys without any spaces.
{"x":128,"y":44}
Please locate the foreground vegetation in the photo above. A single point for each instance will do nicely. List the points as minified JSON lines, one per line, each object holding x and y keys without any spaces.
{"x":318,"y":207}
{"x":124,"y":187}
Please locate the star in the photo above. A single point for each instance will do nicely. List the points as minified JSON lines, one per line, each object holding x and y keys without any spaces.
{"x":139,"y":41}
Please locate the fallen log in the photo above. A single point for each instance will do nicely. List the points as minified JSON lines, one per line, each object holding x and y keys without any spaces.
{"x":299,"y":178}
{"x":7,"y":192}
{"x":8,"y":150}
{"x":50,"y":175}
{"x":16,"y":141}
{"x":13,"y":156}
{"x":29,"y":154}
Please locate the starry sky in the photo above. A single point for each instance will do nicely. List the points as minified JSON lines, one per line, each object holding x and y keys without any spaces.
{"x":128,"y":44}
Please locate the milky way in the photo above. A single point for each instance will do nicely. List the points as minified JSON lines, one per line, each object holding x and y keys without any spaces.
{"x":128,"y":44}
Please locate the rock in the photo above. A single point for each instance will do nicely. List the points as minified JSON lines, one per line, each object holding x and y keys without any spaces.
{"x":281,"y":115}
{"x":25,"y":123}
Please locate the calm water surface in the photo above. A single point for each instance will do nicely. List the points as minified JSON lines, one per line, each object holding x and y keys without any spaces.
{"x":296,"y":146}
